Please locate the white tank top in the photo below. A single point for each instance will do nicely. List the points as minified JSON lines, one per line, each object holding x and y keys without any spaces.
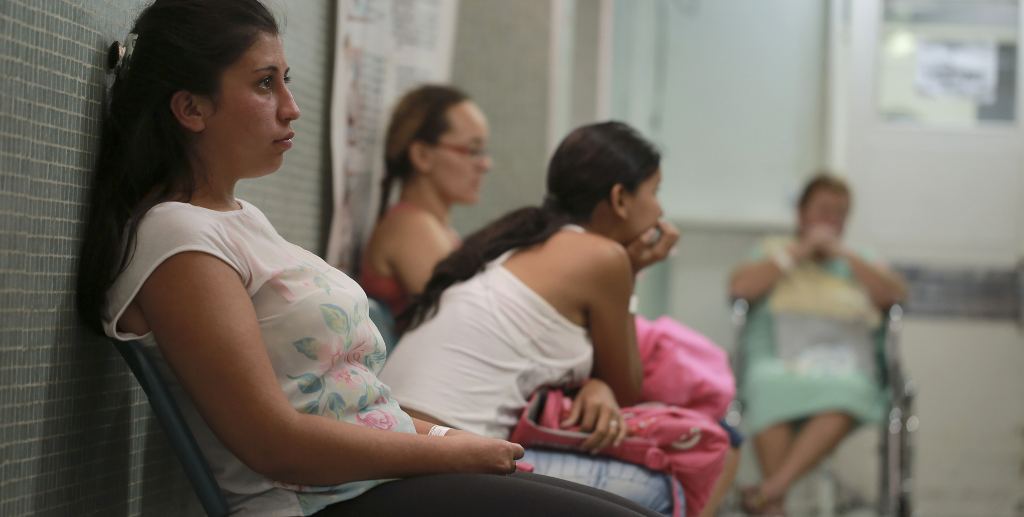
{"x":492,"y":343}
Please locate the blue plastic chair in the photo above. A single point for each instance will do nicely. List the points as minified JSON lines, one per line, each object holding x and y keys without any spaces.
{"x":178,"y":433}
{"x":385,"y":322}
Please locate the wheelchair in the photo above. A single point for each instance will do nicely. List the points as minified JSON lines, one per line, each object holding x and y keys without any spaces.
{"x":897,"y":427}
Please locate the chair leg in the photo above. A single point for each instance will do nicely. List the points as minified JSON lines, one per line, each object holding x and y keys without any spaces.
{"x":909,"y":428}
{"x":897,"y":455}
{"x":889,"y":494}
{"x":826,"y":495}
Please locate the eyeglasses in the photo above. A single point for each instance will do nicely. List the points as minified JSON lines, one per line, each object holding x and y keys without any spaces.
{"x":469,"y":152}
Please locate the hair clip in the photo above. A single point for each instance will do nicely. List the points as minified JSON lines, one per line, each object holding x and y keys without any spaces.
{"x":119,"y":56}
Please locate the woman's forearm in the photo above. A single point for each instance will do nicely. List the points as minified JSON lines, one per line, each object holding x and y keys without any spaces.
{"x":631,"y":391}
{"x":313,"y":450}
{"x":753,"y":280}
{"x":884,"y":287}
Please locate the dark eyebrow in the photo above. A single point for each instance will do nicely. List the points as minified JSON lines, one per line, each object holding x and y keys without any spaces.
{"x":272,"y":68}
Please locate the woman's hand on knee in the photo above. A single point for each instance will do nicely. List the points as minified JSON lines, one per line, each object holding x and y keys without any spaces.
{"x":597,"y":412}
{"x":472,"y":453}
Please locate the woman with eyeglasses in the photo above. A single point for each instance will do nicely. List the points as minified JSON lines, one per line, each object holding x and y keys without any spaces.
{"x":435,"y":146}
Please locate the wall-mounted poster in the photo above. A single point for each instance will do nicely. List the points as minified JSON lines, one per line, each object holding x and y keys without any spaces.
{"x":383,"y":48}
{"x":964,"y":70}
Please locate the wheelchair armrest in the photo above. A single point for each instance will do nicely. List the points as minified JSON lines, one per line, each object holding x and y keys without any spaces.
{"x":740,"y":308}
{"x":894,"y":317}
{"x":900,"y":387}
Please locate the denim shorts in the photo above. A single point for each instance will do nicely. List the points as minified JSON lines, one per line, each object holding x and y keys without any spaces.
{"x":643,"y":486}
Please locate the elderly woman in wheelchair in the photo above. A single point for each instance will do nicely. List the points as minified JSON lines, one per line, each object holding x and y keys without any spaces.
{"x":810,"y":371}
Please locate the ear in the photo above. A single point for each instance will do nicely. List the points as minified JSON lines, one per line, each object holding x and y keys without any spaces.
{"x":618,"y":199}
{"x":421,"y":156}
{"x":191,"y":110}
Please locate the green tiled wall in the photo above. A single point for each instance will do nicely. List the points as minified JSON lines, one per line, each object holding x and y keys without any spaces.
{"x":76,"y":433}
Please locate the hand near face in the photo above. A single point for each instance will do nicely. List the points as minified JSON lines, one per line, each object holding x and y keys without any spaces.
{"x":822,"y":241}
{"x":652,"y":245}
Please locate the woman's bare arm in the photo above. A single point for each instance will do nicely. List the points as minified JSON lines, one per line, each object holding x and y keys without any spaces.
{"x":611,"y":326}
{"x":753,"y":280}
{"x":206,"y":327}
{"x":884,"y":287}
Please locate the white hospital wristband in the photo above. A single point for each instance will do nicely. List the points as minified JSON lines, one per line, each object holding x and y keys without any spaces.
{"x":783,"y":260}
{"x":438,"y":430}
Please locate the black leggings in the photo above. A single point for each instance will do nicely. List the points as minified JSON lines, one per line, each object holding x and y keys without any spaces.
{"x":489,"y":495}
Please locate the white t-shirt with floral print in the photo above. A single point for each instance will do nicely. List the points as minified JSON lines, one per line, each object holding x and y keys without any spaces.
{"x":325,"y":351}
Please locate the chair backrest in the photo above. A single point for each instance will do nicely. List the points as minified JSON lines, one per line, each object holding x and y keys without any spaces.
{"x":385,"y":322}
{"x":169,"y":416}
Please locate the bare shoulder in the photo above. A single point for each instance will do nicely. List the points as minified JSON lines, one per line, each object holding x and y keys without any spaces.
{"x":590,"y":256}
{"x":404,"y":230}
{"x":575,"y":272}
{"x":409,"y":222}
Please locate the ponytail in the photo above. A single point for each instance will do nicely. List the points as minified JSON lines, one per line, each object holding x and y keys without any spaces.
{"x":385,"y":194}
{"x":521,"y":228}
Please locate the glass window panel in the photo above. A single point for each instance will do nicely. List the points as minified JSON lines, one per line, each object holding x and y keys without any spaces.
{"x":949,"y":63}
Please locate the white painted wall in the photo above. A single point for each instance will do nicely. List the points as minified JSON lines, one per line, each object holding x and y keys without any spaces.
{"x":502,"y":59}
{"x":970,"y":447}
{"x":733,"y":92}
{"x":533,"y":69}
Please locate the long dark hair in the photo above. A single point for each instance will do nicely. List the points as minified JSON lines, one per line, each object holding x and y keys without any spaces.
{"x":420,"y":116}
{"x":143,"y":157}
{"x":587,"y":164}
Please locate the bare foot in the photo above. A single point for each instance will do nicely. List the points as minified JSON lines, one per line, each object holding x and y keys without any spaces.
{"x":755,"y":501}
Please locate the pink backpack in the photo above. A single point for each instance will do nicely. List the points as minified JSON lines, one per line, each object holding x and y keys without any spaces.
{"x":685,"y":443}
{"x":683,"y":367}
